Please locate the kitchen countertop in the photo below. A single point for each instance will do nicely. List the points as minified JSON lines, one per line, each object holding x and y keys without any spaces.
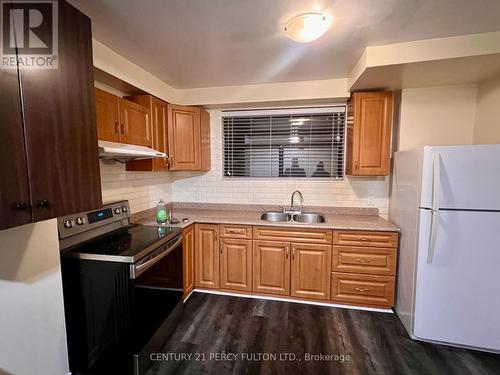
{"x":336,"y":218}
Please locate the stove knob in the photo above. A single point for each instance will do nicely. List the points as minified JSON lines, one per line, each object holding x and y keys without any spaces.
{"x":118,"y":211}
{"x":124,"y":209}
{"x":80,"y":220}
{"x":68,"y":224}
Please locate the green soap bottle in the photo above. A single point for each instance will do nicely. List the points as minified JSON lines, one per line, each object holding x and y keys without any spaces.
{"x":161,"y":212}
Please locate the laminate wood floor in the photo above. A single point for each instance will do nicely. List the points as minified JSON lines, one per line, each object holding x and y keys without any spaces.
{"x":364,"y":342}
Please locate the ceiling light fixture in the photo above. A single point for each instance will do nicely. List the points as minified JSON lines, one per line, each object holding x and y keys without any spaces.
{"x":307,"y":27}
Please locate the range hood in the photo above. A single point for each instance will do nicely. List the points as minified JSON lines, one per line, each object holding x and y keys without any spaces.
{"x":122,"y":152}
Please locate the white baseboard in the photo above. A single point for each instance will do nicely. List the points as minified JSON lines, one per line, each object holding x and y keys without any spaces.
{"x":283,"y":299}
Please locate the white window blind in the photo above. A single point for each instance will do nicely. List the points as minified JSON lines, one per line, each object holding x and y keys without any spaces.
{"x":298,"y":143}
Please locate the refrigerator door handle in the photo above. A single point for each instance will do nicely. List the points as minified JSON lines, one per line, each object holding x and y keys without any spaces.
{"x":436,"y":180}
{"x":436,"y":188}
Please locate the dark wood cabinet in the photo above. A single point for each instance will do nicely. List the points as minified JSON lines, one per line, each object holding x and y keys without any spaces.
{"x":369,"y":125}
{"x":158,"y":114}
{"x":59,"y":150}
{"x":14,"y":187}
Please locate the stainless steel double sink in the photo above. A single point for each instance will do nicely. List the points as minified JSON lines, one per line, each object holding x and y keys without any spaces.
{"x":307,"y":218}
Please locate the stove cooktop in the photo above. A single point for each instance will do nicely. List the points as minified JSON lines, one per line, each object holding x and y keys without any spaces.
{"x":128,"y":244}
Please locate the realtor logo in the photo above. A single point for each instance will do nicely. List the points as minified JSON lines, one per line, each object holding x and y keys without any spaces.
{"x":29,"y":34}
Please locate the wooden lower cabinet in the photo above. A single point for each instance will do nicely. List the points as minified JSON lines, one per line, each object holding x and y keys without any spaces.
{"x":188,"y":248}
{"x":271,"y":267}
{"x":310,"y":271}
{"x":241,"y":260}
{"x":375,"y":261}
{"x":363,"y":289}
{"x":236,"y":264}
{"x":207,"y":255}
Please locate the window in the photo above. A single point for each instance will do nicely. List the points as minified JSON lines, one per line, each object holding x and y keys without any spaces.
{"x":299,"y":143}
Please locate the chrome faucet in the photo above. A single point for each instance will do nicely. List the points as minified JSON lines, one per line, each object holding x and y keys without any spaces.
{"x":292,"y":206}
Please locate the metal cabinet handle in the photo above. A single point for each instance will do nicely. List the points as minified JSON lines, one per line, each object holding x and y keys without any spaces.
{"x":362,"y":289}
{"x":116,"y":127}
{"x":286,"y":252}
{"x":230,"y":231}
{"x":215,"y":235}
{"x":44,"y":203}
{"x":356,"y":165}
{"x":122,"y":129}
{"x":221,"y":246}
{"x":362,"y":260}
{"x":22,"y":206}
{"x":293,"y":253}
{"x":172,"y":162}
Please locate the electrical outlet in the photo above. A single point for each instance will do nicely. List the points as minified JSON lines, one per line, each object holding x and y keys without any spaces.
{"x":371,"y":200}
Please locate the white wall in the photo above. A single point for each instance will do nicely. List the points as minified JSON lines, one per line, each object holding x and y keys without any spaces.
{"x":212,"y":187}
{"x":437,"y":116}
{"x":32,"y":327}
{"x":487,"y":123}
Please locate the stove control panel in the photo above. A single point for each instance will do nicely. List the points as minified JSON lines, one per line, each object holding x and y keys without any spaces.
{"x":118,"y":212}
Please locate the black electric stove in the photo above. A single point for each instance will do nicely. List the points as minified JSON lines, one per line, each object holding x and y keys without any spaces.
{"x":123,"y":289}
{"x":128,"y":244}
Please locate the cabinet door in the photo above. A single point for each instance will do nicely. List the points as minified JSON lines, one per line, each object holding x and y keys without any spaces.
{"x":60,"y":124}
{"x":369,"y":134}
{"x":236,"y":264}
{"x":205,"y":159}
{"x":14,"y":189}
{"x":160,"y":132}
{"x":271,"y":267}
{"x":207,"y":255}
{"x":106,"y":105}
{"x":184,"y":138}
{"x":310,"y":270}
{"x":135,"y":124}
{"x":188,"y":259}
{"x":158,"y":117}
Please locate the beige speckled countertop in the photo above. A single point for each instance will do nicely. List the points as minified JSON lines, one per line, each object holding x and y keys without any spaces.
{"x":336,"y":218}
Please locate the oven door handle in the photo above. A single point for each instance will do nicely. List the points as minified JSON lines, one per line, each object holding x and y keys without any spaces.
{"x":136,"y":270}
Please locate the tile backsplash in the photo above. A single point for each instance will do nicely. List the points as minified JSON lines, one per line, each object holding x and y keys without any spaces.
{"x":144,"y":189}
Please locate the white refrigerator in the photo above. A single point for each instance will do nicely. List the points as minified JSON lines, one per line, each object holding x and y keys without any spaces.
{"x":446,"y":200}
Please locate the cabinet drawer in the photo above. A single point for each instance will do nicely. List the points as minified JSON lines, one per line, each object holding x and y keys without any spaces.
{"x":364,"y":238}
{"x":305,"y":235}
{"x":363,"y":289}
{"x":378,"y":261}
{"x":236,"y":231}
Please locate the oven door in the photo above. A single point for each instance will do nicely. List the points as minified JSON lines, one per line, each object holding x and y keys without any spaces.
{"x":158,"y":288}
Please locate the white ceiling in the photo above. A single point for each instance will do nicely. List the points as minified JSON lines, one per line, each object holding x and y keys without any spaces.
{"x":204,"y":43}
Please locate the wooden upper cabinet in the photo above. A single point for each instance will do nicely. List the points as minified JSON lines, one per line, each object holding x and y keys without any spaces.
{"x":60,"y":124}
{"x":271,"y":267}
{"x":188,"y":248}
{"x":121,"y":120}
{"x":207,"y":255}
{"x":235,"y":264}
{"x":14,"y":186}
{"x":106,"y":105}
{"x":158,"y":115}
{"x":369,"y":124}
{"x":205,"y":140}
{"x":184,"y":135}
{"x":135,"y":125}
{"x":310,"y":271}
